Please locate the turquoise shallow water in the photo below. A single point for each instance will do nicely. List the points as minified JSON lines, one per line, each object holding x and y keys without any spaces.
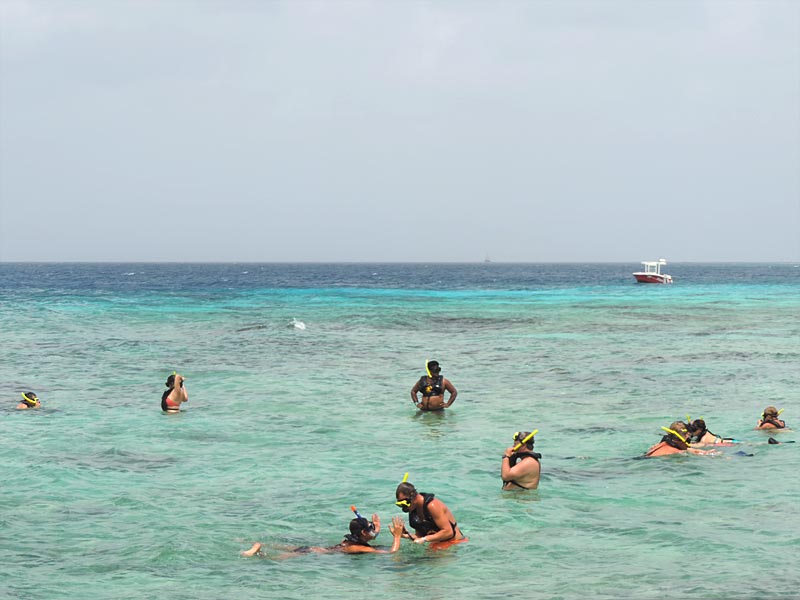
{"x":106,"y":497}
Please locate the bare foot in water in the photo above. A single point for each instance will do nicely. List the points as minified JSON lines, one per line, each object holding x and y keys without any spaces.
{"x":254,"y":550}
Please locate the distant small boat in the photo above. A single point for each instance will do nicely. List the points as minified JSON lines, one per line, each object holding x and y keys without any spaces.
{"x":487,"y":259}
{"x":652,"y":273}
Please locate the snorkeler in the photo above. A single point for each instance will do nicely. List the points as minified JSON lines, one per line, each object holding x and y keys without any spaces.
{"x":521,"y":470}
{"x":176,"y":395}
{"x":769,"y":419}
{"x":675,"y":442}
{"x":29,"y":400}
{"x":432,"y":387}
{"x":430,"y":518}
{"x":357,"y":541}
{"x":699,"y":435}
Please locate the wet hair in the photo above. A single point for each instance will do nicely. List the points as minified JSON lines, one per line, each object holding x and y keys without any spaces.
{"x":30,"y":398}
{"x":358,"y":525}
{"x":433,"y":365}
{"x":696,"y":426}
{"x":408,"y":490}
{"x":170,"y":381}
{"x":521,"y":436}
{"x":770,"y":411}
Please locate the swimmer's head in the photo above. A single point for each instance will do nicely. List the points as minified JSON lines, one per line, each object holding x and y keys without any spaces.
{"x":433,"y":367}
{"x":678,"y":432}
{"x":770,"y":411}
{"x":697,"y":426}
{"x":521,"y":435}
{"x":405,"y":494}
{"x":30,"y":399}
{"x":170,"y":381}
{"x":361,"y":529}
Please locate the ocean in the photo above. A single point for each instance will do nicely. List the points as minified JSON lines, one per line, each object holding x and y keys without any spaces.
{"x":104,"y":496}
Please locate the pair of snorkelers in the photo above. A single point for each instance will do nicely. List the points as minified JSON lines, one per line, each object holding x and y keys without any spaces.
{"x":675,"y":441}
{"x":430,"y":518}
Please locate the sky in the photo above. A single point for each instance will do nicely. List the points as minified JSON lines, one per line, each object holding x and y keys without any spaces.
{"x":400,"y":131}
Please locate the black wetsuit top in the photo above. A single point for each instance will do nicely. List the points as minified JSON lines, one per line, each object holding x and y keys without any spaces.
{"x":425,"y":525}
{"x":773,"y":421}
{"x":431,"y":386}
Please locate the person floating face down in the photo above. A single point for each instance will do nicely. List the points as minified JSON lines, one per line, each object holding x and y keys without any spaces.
{"x":432,"y":387}
{"x":176,"y":395}
{"x":676,"y":441}
{"x":769,"y":419}
{"x":430,"y":518}
{"x":519,"y":467}
{"x":357,"y":541}
{"x":699,"y":435}
{"x":29,"y":400}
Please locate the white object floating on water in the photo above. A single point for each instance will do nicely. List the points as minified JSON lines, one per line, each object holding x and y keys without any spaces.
{"x":297,"y":324}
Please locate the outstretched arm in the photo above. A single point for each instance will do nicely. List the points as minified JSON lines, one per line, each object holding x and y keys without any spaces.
{"x":439,"y":515}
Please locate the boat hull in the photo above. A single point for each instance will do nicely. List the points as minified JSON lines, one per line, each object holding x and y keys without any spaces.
{"x":652,"y":278}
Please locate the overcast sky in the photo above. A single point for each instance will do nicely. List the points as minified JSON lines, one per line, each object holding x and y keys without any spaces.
{"x":399,"y":130}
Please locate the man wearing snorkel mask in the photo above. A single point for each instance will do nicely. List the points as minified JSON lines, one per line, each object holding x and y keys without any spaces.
{"x":430,"y":518}
{"x":769,"y":419}
{"x":357,"y":541}
{"x":29,"y":400}
{"x":519,"y":467}
{"x":432,"y":387}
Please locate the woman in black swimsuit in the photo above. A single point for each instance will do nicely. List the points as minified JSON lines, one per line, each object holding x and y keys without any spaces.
{"x":356,"y":542}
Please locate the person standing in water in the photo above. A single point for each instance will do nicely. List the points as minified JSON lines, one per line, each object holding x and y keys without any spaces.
{"x":29,"y":400}
{"x":176,"y":395}
{"x":519,"y":467}
{"x":432,"y":387}
{"x":430,"y":518}
{"x":769,"y":419}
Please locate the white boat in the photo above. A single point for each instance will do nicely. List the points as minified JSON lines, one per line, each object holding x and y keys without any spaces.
{"x":652,"y":273}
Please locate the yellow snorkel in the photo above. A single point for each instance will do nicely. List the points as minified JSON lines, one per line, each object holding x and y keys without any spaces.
{"x":30,"y":402}
{"x":525,"y":441}
{"x":405,"y":478}
{"x":672,"y":431}
{"x":428,"y":370}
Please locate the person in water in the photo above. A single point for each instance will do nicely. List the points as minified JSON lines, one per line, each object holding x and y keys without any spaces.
{"x":676,"y":441}
{"x":176,"y":395}
{"x":432,"y":387}
{"x":519,"y":467}
{"x":357,"y":541}
{"x":699,"y":435}
{"x":430,"y":518}
{"x":29,"y":400}
{"x":769,"y":419}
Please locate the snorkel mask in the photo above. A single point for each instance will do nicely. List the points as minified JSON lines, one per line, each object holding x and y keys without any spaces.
{"x":366,"y":525}
{"x":409,"y":491}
